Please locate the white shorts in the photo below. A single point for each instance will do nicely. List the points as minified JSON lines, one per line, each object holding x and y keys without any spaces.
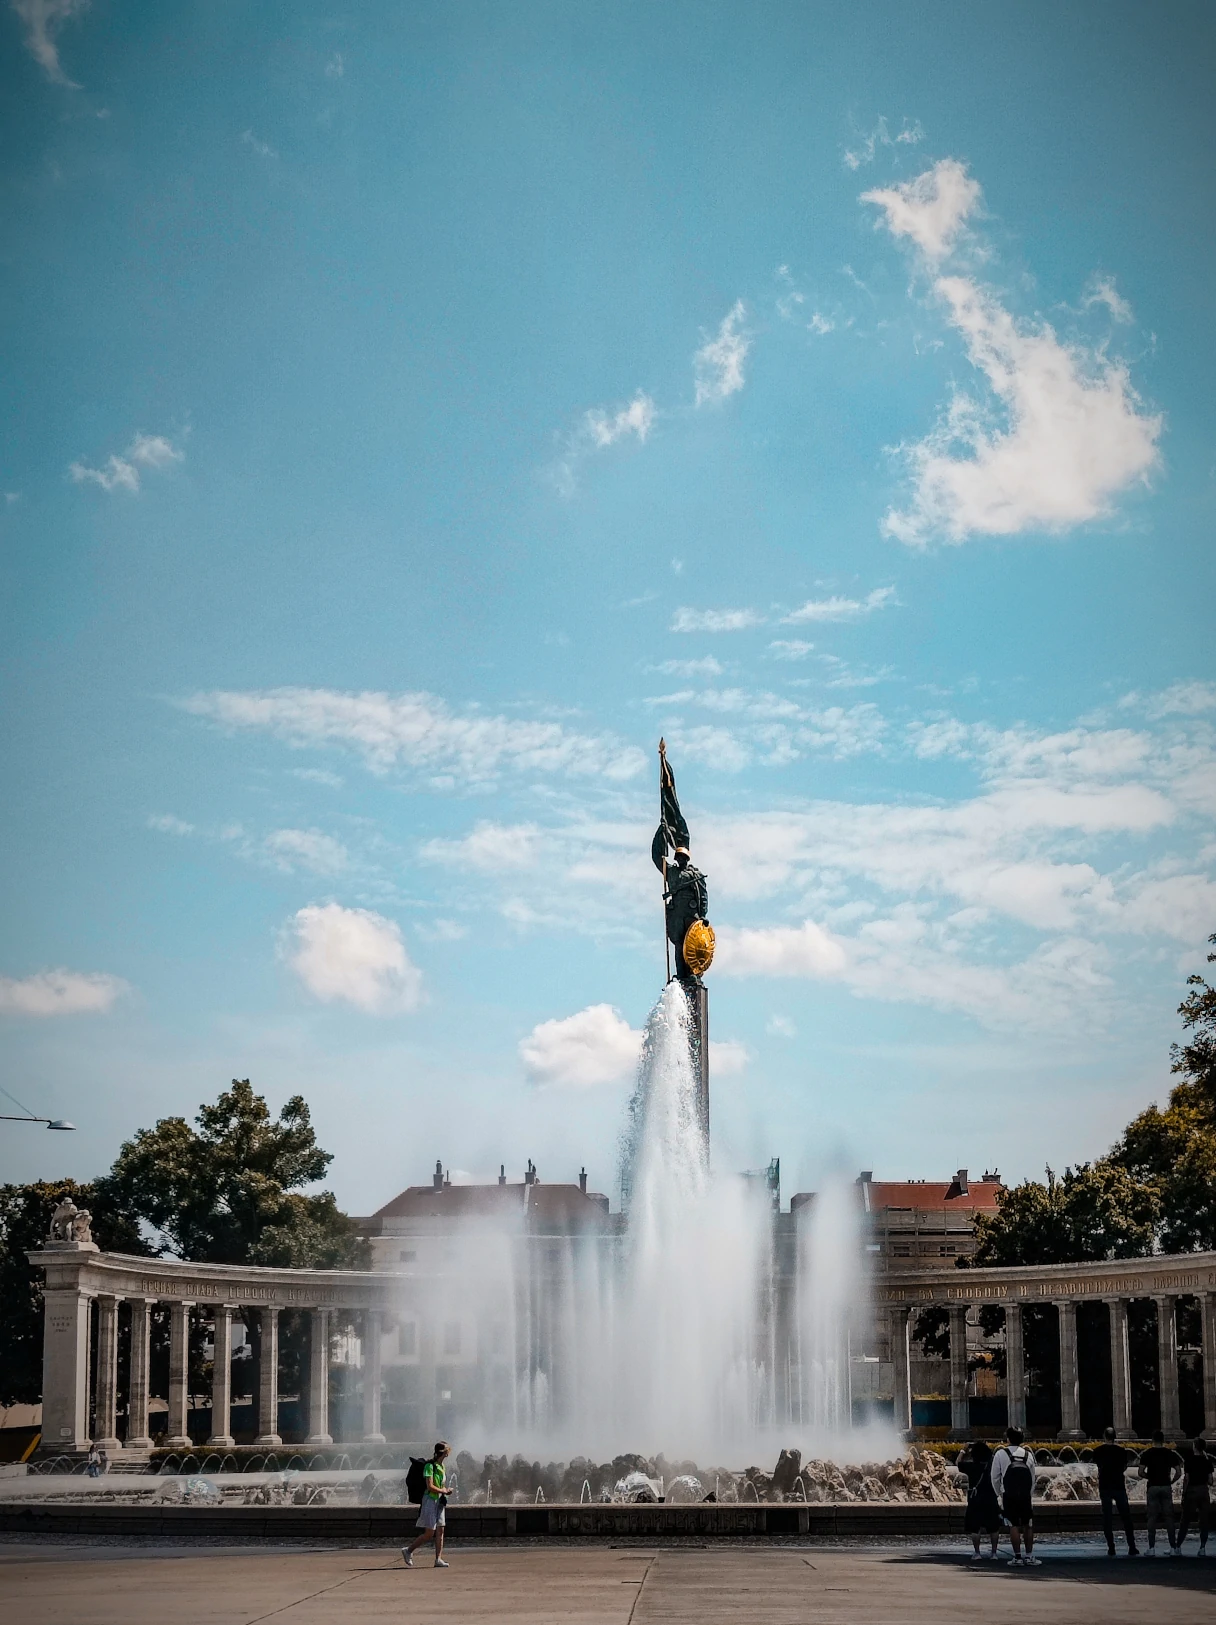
{"x":432,"y":1513}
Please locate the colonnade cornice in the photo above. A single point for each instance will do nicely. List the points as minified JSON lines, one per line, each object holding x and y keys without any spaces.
{"x":121,"y":1275}
{"x":1159,"y":1275}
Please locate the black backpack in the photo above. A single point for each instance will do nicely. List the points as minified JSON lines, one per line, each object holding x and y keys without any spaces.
{"x":415,"y":1481}
{"x":1018,"y":1481}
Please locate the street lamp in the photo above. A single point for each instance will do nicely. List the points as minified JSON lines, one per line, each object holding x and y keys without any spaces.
{"x":51,"y":1122}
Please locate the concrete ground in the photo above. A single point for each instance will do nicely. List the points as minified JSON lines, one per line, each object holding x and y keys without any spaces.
{"x":45,"y":1583}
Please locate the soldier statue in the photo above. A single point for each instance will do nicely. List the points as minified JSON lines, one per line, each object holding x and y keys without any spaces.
{"x":685,"y":891}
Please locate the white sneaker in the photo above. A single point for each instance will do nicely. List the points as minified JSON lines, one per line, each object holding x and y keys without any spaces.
{"x":1033,"y":1562}
{"x":409,"y":1561}
{"x":1013,"y":1562}
{"x":441,"y":1563}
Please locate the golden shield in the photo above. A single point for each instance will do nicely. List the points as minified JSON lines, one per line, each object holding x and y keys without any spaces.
{"x":699,"y":943}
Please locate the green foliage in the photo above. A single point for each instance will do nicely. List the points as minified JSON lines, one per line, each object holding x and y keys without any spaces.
{"x":1196,"y":1061}
{"x":226,"y":1192}
{"x":1091,"y":1212}
{"x":25,"y":1219}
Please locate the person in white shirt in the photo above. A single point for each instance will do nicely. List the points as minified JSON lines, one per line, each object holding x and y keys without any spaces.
{"x":1013,"y":1476}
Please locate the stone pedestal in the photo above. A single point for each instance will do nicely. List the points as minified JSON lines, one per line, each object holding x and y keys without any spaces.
{"x":900,"y":1373}
{"x":65,"y":1373}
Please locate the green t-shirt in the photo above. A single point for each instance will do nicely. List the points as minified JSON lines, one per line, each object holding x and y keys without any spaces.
{"x":433,"y":1474}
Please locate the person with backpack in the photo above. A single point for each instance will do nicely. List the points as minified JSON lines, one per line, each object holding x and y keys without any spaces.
{"x":1162,"y":1467}
{"x":1196,"y":1493}
{"x":983,"y":1509}
{"x":1112,"y":1462}
{"x":432,"y":1510}
{"x":1013,"y":1476}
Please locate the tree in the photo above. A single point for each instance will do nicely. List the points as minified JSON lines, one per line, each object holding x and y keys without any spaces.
{"x":228,"y":1191}
{"x":25,"y":1219}
{"x":1091,"y":1212}
{"x":1196,"y":1061}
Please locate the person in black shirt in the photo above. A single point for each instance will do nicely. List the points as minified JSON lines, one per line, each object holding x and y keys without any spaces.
{"x":1196,"y":1497}
{"x":1161,"y":1466}
{"x":1112,"y":1463}
{"x":983,"y":1508}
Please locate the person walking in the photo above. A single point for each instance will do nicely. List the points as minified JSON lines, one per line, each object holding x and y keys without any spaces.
{"x":1112,"y":1462}
{"x":1013,"y":1476}
{"x":983,"y":1509}
{"x":1162,"y":1467}
{"x":1199,"y":1465}
{"x":432,"y":1514}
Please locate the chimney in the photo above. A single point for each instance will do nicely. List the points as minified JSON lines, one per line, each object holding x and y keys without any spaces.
{"x":582,"y":1180}
{"x":502,"y":1173}
{"x":437,"y":1179}
{"x":530,"y":1173}
{"x":960,"y":1179}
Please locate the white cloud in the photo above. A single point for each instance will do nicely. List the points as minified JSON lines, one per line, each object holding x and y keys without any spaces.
{"x":790,"y":649}
{"x":1101,"y":290}
{"x":714,"y":620}
{"x":718,"y":364}
{"x":727,"y":1057}
{"x":932,"y":209}
{"x":43,"y":19}
{"x":490,"y":849}
{"x":419,"y":732}
{"x":841,"y":609}
{"x":308,"y":849}
{"x":779,"y":950}
{"x":262,"y":148}
{"x":335,"y":68}
{"x":146,"y":451}
{"x":1182,"y":699}
{"x":352,"y":956}
{"x":708,"y":667}
{"x":599,"y":430}
{"x":59,"y":993}
{"x":167,"y":824}
{"x":1068,"y":432}
{"x":880,"y":136}
{"x":821,"y":324}
{"x":596,"y":1046}
{"x":780,"y":1027}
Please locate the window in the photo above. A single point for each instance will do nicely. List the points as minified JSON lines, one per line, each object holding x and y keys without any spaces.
{"x":902,"y":1249}
{"x":407,"y":1339}
{"x":451,"y":1337}
{"x":406,"y":1258}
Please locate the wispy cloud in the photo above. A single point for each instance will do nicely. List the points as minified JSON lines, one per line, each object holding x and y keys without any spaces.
{"x":352,"y":956}
{"x":147,"y":453}
{"x":419,"y":732}
{"x":1101,"y":290}
{"x":707,"y":667}
{"x":309,"y":849}
{"x":43,"y":19}
{"x":714,"y":620}
{"x":490,"y":848}
{"x":718,"y":364}
{"x":598,"y":430}
{"x":60,"y":993}
{"x":790,"y":649}
{"x":1072,"y":433}
{"x":256,"y":144}
{"x":864,"y":153}
{"x":168,"y":824}
{"x":841,"y":609}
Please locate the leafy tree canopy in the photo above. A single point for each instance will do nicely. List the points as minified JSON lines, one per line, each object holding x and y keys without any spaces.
{"x":227,"y":1191}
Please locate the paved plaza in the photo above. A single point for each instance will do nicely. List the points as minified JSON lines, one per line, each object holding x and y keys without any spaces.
{"x":117,"y":1584}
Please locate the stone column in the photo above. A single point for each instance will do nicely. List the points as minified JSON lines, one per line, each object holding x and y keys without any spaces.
{"x":221,"y":1379}
{"x":1015,"y":1367}
{"x":138,"y":1437}
{"x":318,"y":1379}
{"x":268,"y":1380}
{"x":179,"y":1376}
{"x":1120,"y":1367}
{"x":106,"y":1401}
{"x":1070,"y":1385}
{"x":372,"y":1319}
{"x":902,"y":1376}
{"x":1207,"y":1312}
{"x":1167,"y":1366}
{"x":960,"y":1411}
{"x":65,"y":1372}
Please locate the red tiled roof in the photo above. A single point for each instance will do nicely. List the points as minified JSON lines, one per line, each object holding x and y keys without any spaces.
{"x":934,"y":1195}
{"x":452,"y":1202}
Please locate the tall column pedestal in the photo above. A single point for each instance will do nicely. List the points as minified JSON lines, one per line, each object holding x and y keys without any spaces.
{"x":268,"y":1381}
{"x":1070,"y":1380}
{"x":1015,"y":1367}
{"x":960,"y":1410}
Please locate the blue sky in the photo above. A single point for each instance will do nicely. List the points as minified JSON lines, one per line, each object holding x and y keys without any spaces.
{"x":411,"y":412}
